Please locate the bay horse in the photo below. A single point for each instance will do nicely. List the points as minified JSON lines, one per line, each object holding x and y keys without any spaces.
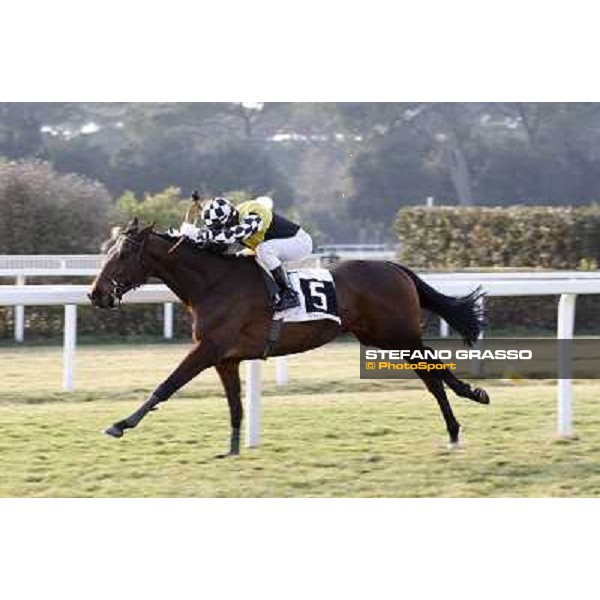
{"x":379,"y":302}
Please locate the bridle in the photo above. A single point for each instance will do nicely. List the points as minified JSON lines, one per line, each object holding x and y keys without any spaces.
{"x":120,"y":287}
{"x":118,"y":290}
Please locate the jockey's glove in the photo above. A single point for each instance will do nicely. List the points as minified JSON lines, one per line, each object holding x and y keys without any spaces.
{"x":245,"y":253}
{"x":205,"y":235}
{"x":189,"y":230}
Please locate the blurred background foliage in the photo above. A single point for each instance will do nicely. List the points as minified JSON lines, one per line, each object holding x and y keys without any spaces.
{"x":165,"y":208}
{"x":513,"y":184}
{"x":45,"y":212}
{"x":343,"y":168}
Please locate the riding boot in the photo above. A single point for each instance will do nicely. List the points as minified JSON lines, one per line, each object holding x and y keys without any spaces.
{"x":288,"y":297}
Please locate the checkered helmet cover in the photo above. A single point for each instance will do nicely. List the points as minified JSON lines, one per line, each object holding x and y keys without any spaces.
{"x":217,"y":213}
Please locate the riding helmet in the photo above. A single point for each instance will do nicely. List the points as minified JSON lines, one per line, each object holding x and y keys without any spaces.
{"x":218,"y":213}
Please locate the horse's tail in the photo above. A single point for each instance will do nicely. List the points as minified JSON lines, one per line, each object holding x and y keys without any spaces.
{"x":464,"y":314}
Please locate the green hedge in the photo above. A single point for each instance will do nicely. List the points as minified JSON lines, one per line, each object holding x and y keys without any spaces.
{"x":538,"y":237}
{"x":515,"y":236}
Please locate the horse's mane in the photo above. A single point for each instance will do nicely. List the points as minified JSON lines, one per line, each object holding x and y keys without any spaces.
{"x":191,"y":247}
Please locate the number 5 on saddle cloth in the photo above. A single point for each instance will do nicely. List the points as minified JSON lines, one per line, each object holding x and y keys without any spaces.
{"x":318,"y":301}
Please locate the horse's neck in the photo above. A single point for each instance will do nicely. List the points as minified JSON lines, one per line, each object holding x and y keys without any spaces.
{"x":185,"y":273}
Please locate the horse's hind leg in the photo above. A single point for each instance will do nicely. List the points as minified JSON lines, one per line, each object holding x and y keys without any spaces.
{"x":458,"y":386}
{"x":229,"y":372}
{"x":436,"y":386}
{"x":432,"y":380}
{"x":463,"y":389}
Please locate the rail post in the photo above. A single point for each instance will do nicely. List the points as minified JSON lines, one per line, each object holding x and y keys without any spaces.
{"x":281,"y":370}
{"x":477,"y":369}
{"x":168,"y":321}
{"x":444,"y":328}
{"x":253,"y":403}
{"x":564,"y":331}
{"x":20,"y":314}
{"x":70,"y":338}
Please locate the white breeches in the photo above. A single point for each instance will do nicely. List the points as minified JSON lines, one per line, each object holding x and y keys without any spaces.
{"x":273,"y":252}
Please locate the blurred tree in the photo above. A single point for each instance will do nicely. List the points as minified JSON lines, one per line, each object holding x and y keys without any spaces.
{"x":393,"y":173}
{"x":80,"y":154}
{"x":208,"y":145}
{"x":166,"y":208}
{"x":340,"y":164}
{"x":22,"y":123}
{"x":47,"y":212}
{"x":243,"y":166}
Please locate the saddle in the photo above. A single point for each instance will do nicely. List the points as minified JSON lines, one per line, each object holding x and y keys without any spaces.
{"x":318,"y":301}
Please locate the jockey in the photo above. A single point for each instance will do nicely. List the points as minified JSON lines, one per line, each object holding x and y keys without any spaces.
{"x":272,"y":238}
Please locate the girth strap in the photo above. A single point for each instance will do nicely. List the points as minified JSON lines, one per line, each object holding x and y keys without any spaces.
{"x":272,"y":337}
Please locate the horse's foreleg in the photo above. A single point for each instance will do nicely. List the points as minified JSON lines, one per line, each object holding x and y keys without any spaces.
{"x":201,"y":357}
{"x":229,"y":372}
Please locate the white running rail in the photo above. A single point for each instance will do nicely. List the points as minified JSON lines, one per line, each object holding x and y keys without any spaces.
{"x":23,"y":266}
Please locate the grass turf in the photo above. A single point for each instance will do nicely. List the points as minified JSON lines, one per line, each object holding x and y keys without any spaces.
{"x":325,"y":434}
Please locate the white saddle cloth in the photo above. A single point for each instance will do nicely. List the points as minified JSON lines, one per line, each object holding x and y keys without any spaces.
{"x":317,"y":297}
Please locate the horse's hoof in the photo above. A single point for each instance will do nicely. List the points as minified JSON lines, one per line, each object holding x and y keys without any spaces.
{"x":114,"y":431}
{"x":454,"y":446}
{"x":228,"y":455}
{"x":481,"y":396}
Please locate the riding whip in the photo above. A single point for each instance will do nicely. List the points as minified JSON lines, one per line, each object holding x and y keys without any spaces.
{"x":193,"y":209}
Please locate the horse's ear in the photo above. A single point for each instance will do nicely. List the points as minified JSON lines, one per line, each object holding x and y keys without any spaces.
{"x":133,"y":226}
